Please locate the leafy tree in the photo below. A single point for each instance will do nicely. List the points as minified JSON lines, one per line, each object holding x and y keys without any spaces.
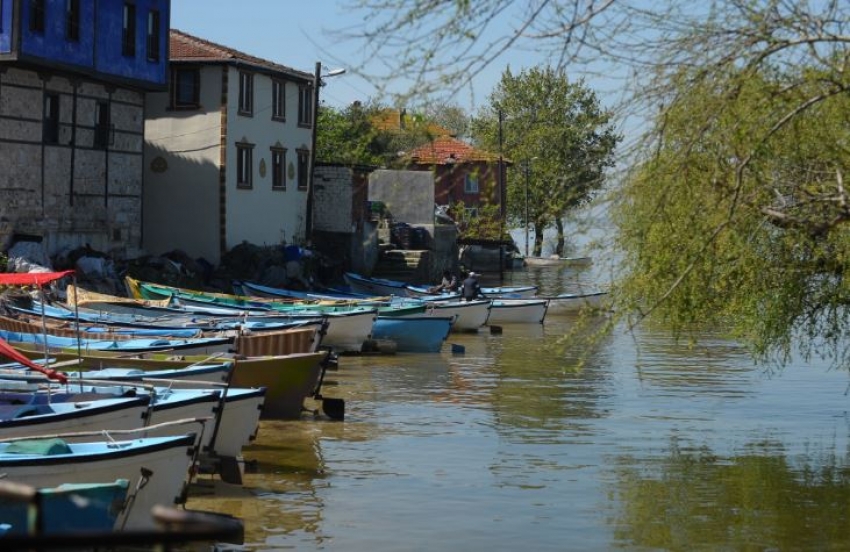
{"x":559,"y":139}
{"x":352,"y":135}
{"x":348,"y":136}
{"x":449,"y":116}
{"x":717,"y":229}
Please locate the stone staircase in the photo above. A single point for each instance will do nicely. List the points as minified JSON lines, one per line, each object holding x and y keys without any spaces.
{"x":406,"y":265}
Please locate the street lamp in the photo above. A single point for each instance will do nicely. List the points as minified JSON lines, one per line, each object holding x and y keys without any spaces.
{"x":501,"y":201}
{"x":317,"y":84}
{"x":527,"y":167}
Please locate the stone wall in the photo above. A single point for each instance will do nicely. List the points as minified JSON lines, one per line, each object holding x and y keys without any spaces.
{"x":70,"y":193}
{"x":333,"y":196}
{"x":342,"y":228}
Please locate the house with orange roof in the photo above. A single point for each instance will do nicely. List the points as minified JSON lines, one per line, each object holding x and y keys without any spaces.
{"x":227,"y":151}
{"x":463,"y":174}
{"x":397,"y":120}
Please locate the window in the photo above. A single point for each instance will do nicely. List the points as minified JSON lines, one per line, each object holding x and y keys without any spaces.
{"x":244,"y":163}
{"x":471,"y":212}
{"x":153,"y":35}
{"x":72,"y":20}
{"x":102,"y":126}
{"x":51,"y":119}
{"x":37,"y":16}
{"x":305,"y":105}
{"x":128,"y":33}
{"x":246,"y":93}
{"x":185,"y":88}
{"x":278,"y":169}
{"x":303,"y":169}
{"x":279,"y":100}
{"x":470,"y":185}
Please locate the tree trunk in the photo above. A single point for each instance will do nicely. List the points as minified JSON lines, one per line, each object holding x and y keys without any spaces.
{"x":538,"y":239}
{"x":559,"y":246}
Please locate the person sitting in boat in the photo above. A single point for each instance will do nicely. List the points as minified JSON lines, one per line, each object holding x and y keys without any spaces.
{"x":449,"y":283}
{"x":471,"y":288}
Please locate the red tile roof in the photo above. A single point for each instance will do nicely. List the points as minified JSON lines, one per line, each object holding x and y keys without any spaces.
{"x":445,"y":150}
{"x":187,"y":48}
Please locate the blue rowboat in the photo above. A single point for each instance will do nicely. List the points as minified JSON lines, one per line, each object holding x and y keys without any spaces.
{"x":66,"y":509}
{"x":374,"y":286}
{"x":416,"y":334}
{"x":138,"y":345}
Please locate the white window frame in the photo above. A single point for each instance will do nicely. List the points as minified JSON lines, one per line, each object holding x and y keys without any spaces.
{"x":470,"y":183}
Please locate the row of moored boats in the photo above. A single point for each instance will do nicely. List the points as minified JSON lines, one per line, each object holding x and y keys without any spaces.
{"x":124,"y":400}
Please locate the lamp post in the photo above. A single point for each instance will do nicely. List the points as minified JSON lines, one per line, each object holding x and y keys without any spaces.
{"x":501,"y":203}
{"x":317,"y":84}
{"x":527,"y":167}
{"x":527,"y":170}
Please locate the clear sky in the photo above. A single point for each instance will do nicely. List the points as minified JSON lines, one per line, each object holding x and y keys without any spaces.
{"x":296,"y":33}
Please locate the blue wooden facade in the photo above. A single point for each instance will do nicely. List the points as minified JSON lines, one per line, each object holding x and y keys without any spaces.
{"x":121,"y":41}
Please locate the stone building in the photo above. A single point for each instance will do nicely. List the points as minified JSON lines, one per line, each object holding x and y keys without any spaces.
{"x":73,"y":78}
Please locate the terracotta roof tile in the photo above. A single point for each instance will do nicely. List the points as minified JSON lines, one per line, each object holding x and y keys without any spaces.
{"x":187,"y":48}
{"x":445,"y":150}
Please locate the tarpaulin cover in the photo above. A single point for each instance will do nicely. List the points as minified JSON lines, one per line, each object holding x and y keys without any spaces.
{"x":31,"y":278}
{"x":11,"y":353}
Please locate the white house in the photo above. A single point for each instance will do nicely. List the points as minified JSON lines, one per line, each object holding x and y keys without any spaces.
{"x":227,"y":152}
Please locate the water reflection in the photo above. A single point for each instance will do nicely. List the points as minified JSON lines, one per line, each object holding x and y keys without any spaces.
{"x":538,"y":438}
{"x":759,"y":500}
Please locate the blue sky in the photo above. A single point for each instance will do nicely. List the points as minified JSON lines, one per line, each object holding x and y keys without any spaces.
{"x":296,"y":34}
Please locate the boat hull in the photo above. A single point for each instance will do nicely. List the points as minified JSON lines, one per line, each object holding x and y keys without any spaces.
{"x":166,"y":459}
{"x":375,"y":286}
{"x":288,"y":380}
{"x":414,"y":334}
{"x":518,"y":311}
{"x":68,"y":509}
{"x":239,"y":421}
{"x":570,"y":303}
{"x":469,"y":315}
{"x":82,"y":415}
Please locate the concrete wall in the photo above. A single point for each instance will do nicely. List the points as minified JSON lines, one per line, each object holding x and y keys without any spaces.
{"x":342,"y":230}
{"x":70,"y":193}
{"x":409,"y":195}
{"x":182,"y":159}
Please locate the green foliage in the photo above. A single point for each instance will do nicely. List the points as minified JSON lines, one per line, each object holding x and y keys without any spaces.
{"x":347,"y":136}
{"x":484,"y":224}
{"x":350,"y":135}
{"x":556,"y":137}
{"x":740,"y":220}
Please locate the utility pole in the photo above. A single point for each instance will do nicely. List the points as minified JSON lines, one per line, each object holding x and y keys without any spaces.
{"x":317,"y":84}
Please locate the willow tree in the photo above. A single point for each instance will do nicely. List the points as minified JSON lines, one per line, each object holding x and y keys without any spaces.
{"x":734,"y":208}
{"x":718,"y":227}
{"x":558,"y":139}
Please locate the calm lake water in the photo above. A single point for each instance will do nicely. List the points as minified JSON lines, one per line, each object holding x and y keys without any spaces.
{"x":649,"y":445}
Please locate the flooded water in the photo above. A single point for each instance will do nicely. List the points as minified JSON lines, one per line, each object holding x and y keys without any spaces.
{"x":515,"y":445}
